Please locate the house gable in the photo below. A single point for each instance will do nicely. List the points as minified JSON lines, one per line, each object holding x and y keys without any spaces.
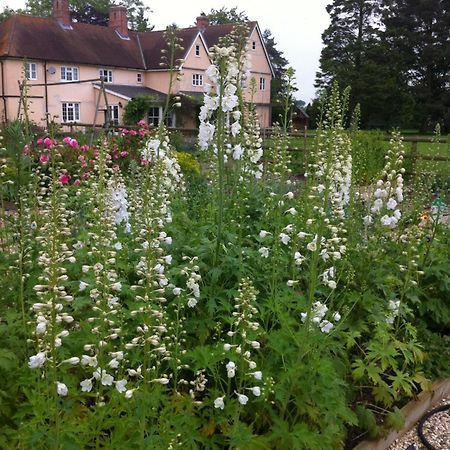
{"x":194,"y":61}
{"x":259,"y":56}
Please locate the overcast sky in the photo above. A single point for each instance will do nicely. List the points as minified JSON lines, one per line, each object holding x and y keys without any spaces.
{"x":296,"y":25}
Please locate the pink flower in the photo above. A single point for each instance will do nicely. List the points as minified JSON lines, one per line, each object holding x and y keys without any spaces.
{"x":74,"y":143}
{"x":26,"y":150}
{"x":40,"y":141}
{"x":133,"y":133}
{"x":142,"y":123}
{"x":115,"y":167}
{"x":49,"y":143}
{"x":84,"y":148}
{"x":67,"y":140}
{"x":123,"y":154}
{"x":77,"y":182}
{"x":124,"y":131}
{"x":64,"y":178}
{"x":44,"y":158}
{"x":81,"y":158}
{"x":142,"y":133}
{"x":86,"y":175}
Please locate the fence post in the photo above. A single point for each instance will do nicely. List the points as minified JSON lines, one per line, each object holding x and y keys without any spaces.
{"x":414,"y":157}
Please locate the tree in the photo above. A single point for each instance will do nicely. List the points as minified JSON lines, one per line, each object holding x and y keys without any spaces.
{"x":8,"y":12}
{"x":418,"y":32}
{"x":223,"y":15}
{"x":354,"y":55}
{"x":95,"y":12}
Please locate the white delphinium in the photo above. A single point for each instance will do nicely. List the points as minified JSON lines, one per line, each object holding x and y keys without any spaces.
{"x":388,"y":193}
{"x":243,"y":337}
{"x":52,"y":300}
{"x":154,"y":345}
{"x":108,"y":201}
{"x":318,"y":312}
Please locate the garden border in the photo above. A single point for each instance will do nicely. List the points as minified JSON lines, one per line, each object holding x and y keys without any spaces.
{"x":413,"y":411}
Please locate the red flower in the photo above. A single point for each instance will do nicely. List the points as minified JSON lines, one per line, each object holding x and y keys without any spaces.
{"x":64,"y":178}
{"x":40,"y":141}
{"x":44,"y":158}
{"x":49,"y":143}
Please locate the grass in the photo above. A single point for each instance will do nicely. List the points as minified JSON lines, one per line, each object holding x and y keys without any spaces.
{"x":441,"y":168}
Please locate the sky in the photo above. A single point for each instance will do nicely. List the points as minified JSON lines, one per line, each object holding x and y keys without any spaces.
{"x":296,"y":25}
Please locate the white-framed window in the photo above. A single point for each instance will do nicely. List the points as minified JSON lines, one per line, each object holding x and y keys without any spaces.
{"x":31,"y":71}
{"x":262,"y":84}
{"x":155,"y":116}
{"x":139,"y":78}
{"x":106,"y":75}
{"x":197,"y":50}
{"x":197,"y":79}
{"x":69,"y":73}
{"x":113,"y":114}
{"x":254,"y":45}
{"x":71,"y":112}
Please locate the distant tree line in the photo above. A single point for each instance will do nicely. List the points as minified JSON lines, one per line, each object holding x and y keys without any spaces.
{"x":395,"y":56}
{"x":93,"y":12}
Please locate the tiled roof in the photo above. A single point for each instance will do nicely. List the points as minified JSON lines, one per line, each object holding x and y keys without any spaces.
{"x":153,"y":42}
{"x":43,"y":38}
{"x":130,"y":92}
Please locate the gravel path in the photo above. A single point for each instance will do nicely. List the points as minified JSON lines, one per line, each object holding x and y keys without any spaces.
{"x":436,"y":430}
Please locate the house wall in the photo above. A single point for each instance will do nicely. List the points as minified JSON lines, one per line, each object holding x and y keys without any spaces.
{"x":83,"y":93}
{"x":259,"y":69}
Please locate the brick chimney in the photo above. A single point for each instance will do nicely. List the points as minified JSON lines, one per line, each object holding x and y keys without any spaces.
{"x":202,"y":22}
{"x":61,"y":11}
{"x":118,"y":20}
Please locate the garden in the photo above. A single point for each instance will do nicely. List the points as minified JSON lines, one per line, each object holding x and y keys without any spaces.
{"x":216,"y":299}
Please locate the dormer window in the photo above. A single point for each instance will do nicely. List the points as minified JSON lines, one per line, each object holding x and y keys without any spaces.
{"x":197,"y":50}
{"x":254,"y":45}
{"x":139,"y":78}
{"x":106,"y":75}
{"x":31,"y":71}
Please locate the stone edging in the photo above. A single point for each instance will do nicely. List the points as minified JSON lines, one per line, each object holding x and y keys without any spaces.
{"x":413,"y":411}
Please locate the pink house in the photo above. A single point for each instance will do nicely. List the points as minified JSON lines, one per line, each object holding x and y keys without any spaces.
{"x":63,"y":62}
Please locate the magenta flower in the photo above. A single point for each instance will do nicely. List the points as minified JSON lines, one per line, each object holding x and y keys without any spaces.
{"x":77,"y":182}
{"x":133,"y":133}
{"x":123,"y":154}
{"x":49,"y":143}
{"x":142,"y":123}
{"x":40,"y":141}
{"x":44,"y":158}
{"x":84,"y":148}
{"x":74,"y":143}
{"x":64,"y":178}
{"x":67,"y":140}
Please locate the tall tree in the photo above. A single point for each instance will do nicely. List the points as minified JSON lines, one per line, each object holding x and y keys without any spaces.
{"x":225,"y":15}
{"x":418,"y":31}
{"x":95,"y":11}
{"x":355,"y":56}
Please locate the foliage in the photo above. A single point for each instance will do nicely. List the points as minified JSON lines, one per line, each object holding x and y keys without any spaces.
{"x":153,"y":299}
{"x":225,"y":15}
{"x":137,"y":109}
{"x":393,"y":54}
{"x":95,"y":12}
